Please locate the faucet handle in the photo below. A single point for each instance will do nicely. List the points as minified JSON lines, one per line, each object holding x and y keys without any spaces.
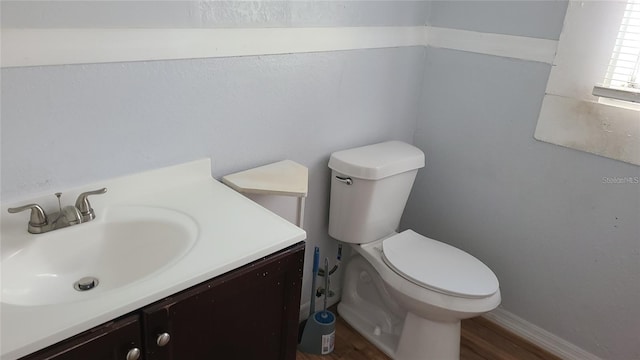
{"x":83,"y":205}
{"x":38,"y":216}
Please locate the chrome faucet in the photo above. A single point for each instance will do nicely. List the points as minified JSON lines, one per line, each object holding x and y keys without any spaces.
{"x":66,"y":216}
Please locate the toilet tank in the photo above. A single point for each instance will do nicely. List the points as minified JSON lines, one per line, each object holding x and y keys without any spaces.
{"x":370,"y":186}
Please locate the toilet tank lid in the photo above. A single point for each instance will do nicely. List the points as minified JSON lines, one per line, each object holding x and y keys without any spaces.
{"x":377,"y":161}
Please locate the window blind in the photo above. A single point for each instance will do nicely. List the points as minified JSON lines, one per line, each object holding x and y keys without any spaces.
{"x":622,"y":78}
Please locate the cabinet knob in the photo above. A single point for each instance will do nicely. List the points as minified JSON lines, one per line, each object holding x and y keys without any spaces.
{"x":163,"y":339}
{"x":133,"y":354}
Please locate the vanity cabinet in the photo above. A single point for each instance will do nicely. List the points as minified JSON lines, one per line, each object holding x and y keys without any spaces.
{"x":248,"y":313}
{"x":111,"y":341}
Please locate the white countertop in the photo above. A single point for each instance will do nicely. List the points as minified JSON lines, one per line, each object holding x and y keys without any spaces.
{"x":232,"y":231}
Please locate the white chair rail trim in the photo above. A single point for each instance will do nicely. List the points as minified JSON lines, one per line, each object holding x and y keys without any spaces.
{"x":37,"y":47}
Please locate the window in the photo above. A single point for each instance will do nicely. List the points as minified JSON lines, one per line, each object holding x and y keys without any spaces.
{"x":622,"y":78}
{"x":571,"y":115}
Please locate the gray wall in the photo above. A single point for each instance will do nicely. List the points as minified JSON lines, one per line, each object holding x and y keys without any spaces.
{"x":69,"y":125}
{"x":564,"y":245}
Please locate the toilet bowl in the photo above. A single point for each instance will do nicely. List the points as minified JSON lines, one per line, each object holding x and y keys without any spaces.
{"x":404,"y":292}
{"x":380,"y":313}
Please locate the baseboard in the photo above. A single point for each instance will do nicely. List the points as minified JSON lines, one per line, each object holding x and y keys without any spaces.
{"x":538,"y":336}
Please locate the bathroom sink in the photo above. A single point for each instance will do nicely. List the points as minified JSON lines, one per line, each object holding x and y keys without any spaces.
{"x":123,"y":246}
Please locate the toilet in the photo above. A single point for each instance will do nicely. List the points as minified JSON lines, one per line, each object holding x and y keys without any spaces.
{"x":404,"y":292}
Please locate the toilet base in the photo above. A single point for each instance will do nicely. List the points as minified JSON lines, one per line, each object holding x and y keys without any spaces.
{"x":424,"y":339}
{"x":421,"y":339}
{"x":374,"y":313}
{"x":384,"y":341}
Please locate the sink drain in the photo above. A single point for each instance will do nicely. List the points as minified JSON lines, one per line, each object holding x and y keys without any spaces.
{"x":86,"y":283}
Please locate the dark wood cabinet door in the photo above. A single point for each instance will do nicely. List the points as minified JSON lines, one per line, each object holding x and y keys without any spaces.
{"x":111,"y":341}
{"x":249,"y":313}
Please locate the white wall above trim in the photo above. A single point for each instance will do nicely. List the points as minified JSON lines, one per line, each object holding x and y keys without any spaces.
{"x":518,"y":47}
{"x":34,"y":47}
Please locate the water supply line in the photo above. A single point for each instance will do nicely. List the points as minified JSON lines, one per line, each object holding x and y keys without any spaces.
{"x":327,"y":273}
{"x":335,"y":267}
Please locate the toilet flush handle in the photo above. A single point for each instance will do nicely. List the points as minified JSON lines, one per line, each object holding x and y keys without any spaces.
{"x":346,"y":180}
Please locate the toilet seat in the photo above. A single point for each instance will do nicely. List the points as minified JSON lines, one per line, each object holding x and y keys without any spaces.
{"x":437,"y":266}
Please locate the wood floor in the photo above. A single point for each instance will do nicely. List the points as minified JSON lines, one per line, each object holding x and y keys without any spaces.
{"x":481,"y":340}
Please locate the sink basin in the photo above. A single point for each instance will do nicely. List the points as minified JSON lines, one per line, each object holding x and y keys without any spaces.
{"x":124,"y":245}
